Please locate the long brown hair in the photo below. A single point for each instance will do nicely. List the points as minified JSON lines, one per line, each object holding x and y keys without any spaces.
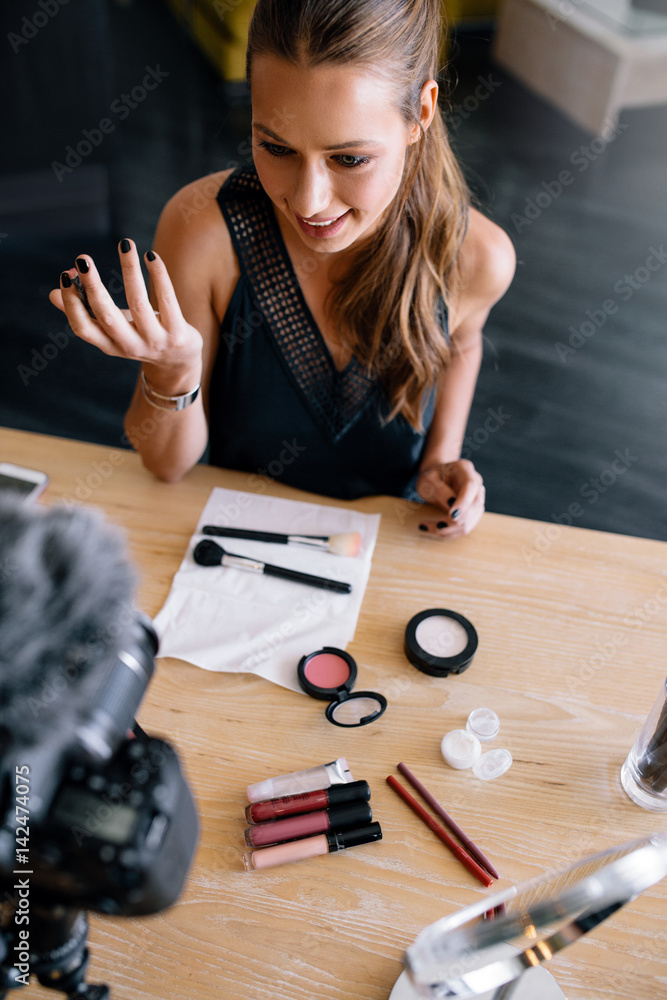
{"x":385,"y":305}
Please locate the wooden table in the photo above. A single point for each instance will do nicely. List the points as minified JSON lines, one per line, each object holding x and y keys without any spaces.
{"x":572,"y":627}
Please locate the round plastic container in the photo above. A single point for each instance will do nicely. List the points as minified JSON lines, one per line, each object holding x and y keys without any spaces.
{"x":460,"y":748}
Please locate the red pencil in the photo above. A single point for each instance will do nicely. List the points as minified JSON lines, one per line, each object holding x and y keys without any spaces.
{"x":471,"y":847}
{"x":440,"y":832}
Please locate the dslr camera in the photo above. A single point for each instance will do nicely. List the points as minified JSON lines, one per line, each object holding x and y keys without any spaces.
{"x":94,"y":814}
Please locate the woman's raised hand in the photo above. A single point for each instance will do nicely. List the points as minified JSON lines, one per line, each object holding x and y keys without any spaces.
{"x":168,"y":346}
{"x":458,"y":489}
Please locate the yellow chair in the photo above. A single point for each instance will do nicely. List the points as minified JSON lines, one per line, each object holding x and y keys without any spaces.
{"x":220,"y":29}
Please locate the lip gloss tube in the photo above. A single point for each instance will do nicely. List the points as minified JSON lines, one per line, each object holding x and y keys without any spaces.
{"x":335,"y":773}
{"x":311,"y":847}
{"x":322,"y":798}
{"x":337,"y":818}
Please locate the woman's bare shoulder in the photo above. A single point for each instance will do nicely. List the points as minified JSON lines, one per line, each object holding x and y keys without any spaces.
{"x":193,"y":240}
{"x":487,"y":261}
{"x":193,"y":213}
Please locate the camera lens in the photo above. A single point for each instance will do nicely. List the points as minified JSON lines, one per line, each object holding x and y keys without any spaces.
{"x":115,"y":706}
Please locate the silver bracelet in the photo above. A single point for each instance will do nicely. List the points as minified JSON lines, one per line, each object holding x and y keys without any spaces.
{"x":161,"y":402}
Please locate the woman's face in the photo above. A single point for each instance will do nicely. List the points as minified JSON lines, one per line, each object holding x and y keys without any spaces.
{"x":329,"y":146}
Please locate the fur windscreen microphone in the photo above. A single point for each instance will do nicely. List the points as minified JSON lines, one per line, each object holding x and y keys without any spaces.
{"x":66,"y":606}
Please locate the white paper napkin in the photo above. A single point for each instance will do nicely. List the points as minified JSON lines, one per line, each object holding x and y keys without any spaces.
{"x":228,"y":619}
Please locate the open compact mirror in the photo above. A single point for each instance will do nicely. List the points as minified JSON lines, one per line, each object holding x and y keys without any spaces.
{"x":469,"y":955}
{"x":329,"y":675}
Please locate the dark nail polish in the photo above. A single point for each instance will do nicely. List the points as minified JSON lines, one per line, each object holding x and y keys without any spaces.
{"x":451,"y":501}
{"x":455,"y":514}
{"x":65,"y":280}
{"x":82,"y":265}
{"x":150,"y":255}
{"x":441,"y":525}
{"x":125,"y":246}
{"x":423,"y":527}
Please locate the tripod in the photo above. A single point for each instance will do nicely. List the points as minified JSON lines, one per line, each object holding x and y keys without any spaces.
{"x":58,"y":954}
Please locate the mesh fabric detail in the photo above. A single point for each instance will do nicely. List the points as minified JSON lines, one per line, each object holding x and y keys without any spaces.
{"x":336,"y":399}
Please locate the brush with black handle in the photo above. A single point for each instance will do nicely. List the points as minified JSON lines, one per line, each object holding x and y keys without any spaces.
{"x":346,"y":543}
{"x":209,"y":553}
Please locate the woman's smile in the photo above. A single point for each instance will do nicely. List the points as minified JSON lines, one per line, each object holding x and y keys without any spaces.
{"x":322,"y":228}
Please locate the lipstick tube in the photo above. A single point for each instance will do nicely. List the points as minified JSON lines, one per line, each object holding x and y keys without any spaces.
{"x":322,"y":798}
{"x":335,"y":773}
{"x":343,"y":817}
{"x":311,"y":847}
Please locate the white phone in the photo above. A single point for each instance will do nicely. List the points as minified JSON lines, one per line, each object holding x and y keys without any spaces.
{"x":29,"y":483}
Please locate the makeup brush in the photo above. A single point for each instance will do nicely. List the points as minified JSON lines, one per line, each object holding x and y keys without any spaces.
{"x":209,"y":553}
{"x":347,"y":543}
{"x":81,"y":292}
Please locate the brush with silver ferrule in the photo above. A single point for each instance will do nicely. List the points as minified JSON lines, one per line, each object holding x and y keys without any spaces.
{"x":209,"y":553}
{"x":347,"y":543}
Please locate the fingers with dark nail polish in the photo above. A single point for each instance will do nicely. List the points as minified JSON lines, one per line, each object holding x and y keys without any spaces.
{"x":423,"y":527}
{"x":441,"y":524}
{"x":455,"y":514}
{"x":65,"y":280}
{"x":125,"y":246}
{"x":83,"y":265}
{"x":81,"y":292}
{"x":451,"y":501}
{"x":150,"y":255}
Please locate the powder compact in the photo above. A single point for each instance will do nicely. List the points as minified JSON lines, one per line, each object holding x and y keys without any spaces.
{"x":440,"y":642}
{"x":329,"y":675}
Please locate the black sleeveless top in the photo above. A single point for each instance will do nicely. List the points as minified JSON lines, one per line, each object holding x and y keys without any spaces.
{"x":278,"y":405}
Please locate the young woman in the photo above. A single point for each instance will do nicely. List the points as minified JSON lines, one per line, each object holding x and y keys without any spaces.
{"x":330,"y":299}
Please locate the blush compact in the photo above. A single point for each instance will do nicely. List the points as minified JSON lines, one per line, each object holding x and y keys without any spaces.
{"x":329,"y":674}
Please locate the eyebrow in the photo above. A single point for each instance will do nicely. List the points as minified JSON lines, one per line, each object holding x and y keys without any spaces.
{"x":328,"y":149}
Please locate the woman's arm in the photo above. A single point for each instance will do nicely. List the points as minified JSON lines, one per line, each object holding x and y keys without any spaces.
{"x":192,"y":276}
{"x":487,"y":267}
{"x":196,"y":250}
